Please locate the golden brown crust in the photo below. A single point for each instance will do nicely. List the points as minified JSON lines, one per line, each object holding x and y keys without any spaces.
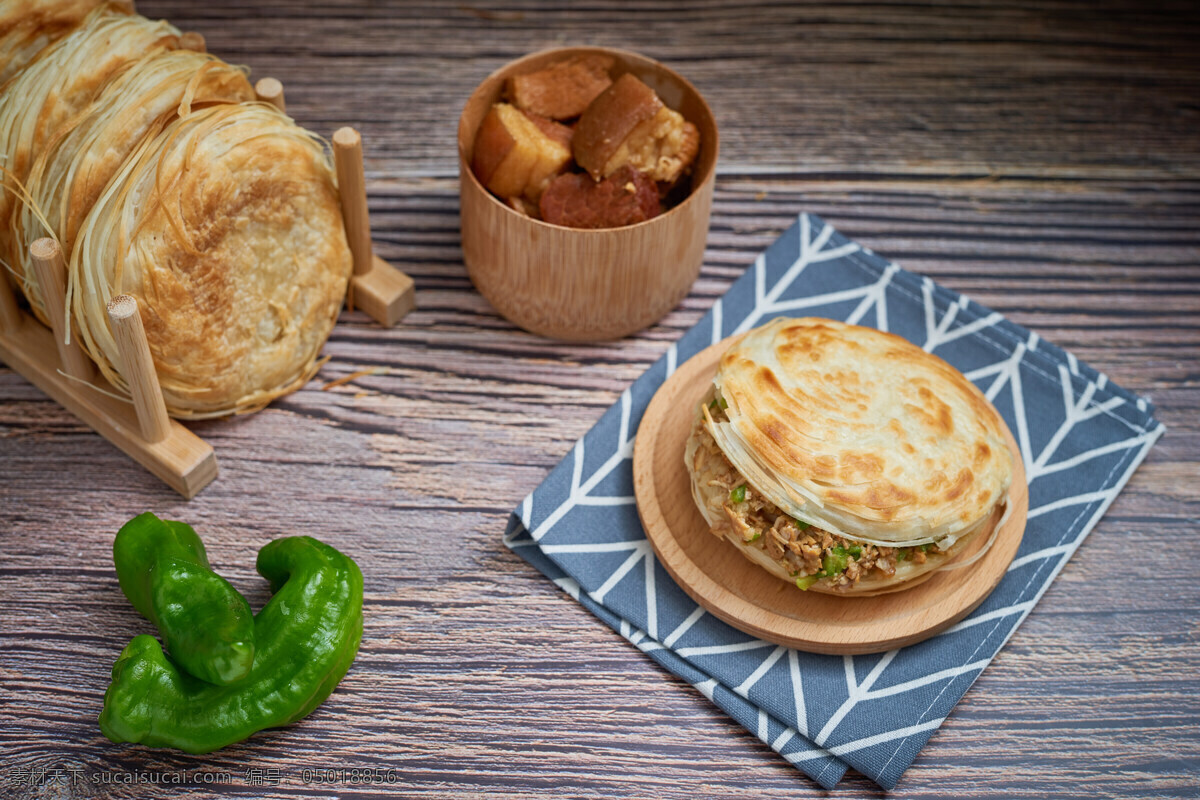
{"x":564,"y":89}
{"x":69,"y":74}
{"x":64,"y":80}
{"x":860,"y":432}
{"x":29,"y":26}
{"x":228,"y":230}
{"x":72,"y":170}
{"x":609,"y":121}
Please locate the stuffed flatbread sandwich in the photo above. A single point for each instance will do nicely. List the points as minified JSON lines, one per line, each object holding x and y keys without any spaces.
{"x":847,"y":460}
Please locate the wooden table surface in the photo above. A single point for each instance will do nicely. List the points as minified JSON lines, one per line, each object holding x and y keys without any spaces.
{"x":1043,"y":157}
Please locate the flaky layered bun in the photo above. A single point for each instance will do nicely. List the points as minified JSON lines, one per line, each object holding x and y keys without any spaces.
{"x":227,"y":229}
{"x":859,"y":433}
{"x":77,"y":163}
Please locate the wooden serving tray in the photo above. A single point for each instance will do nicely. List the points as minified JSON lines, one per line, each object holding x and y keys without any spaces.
{"x":725,"y":583}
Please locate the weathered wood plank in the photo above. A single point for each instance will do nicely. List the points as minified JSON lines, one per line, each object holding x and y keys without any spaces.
{"x":1037,"y":87}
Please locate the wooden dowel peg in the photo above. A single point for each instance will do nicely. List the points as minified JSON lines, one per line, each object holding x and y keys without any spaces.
{"x":270,"y":90}
{"x":352,"y":186}
{"x":193,"y":41}
{"x":138,"y":367}
{"x":10,"y":313}
{"x":385,"y":293}
{"x":51,"y":275}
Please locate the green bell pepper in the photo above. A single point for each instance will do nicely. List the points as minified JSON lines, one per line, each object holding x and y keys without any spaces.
{"x":307,"y":636}
{"x":205,"y":623}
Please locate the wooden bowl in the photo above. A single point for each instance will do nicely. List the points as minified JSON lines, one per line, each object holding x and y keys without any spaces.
{"x":585,"y":285}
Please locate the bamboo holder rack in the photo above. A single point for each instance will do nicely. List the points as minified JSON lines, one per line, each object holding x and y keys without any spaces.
{"x":193,"y":41}
{"x":270,"y":90}
{"x":137,"y":365}
{"x":142,"y":429}
{"x":182,"y":460}
{"x":385,"y":293}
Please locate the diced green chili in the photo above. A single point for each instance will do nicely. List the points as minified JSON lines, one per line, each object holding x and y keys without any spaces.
{"x":757,"y":535}
{"x":856,"y":551}
{"x":801,"y":524}
{"x":718,"y":402}
{"x":902,"y":554}
{"x":808,"y":580}
{"x":738,"y":495}
{"x":835,"y":561}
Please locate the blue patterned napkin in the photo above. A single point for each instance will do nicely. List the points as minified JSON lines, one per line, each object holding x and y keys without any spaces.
{"x":1081,"y":438}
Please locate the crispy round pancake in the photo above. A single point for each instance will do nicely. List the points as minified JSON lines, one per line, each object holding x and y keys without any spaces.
{"x":28,"y":26}
{"x":63,"y":80}
{"x":860,"y":433}
{"x":77,"y":163}
{"x":227,"y":229}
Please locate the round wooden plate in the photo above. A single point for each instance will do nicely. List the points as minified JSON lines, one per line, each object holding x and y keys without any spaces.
{"x":724,"y":582}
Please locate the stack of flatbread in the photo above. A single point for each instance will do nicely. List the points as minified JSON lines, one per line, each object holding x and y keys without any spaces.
{"x":161,"y":177}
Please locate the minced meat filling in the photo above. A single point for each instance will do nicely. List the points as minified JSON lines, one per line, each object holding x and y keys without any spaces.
{"x":808,"y":553}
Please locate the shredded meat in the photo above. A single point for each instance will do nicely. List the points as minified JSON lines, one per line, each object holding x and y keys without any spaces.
{"x":798,"y":547}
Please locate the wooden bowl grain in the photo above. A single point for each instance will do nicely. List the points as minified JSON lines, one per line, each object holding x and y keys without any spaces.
{"x":586,"y":285}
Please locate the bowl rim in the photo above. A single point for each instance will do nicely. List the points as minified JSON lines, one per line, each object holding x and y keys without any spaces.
{"x":465,"y":168}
